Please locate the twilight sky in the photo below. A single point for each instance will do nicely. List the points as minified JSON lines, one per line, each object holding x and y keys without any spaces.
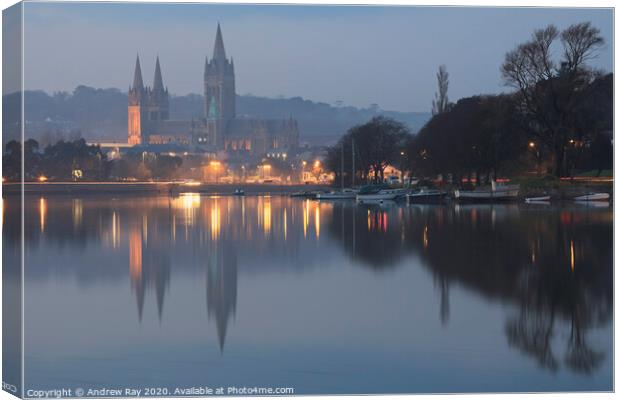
{"x":359,"y":55}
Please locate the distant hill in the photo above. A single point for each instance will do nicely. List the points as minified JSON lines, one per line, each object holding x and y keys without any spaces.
{"x":101,"y":114}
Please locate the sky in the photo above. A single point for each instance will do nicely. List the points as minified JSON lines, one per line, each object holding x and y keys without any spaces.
{"x":359,"y":55}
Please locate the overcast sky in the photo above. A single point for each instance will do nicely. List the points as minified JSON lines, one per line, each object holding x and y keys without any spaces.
{"x":359,"y":55}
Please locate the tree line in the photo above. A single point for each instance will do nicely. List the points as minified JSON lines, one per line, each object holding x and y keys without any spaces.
{"x":557,"y":120}
{"x":76,"y":159}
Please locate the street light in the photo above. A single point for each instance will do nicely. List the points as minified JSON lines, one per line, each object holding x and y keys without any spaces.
{"x":216,"y":167}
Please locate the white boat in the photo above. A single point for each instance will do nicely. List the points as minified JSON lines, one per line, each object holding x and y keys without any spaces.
{"x":498,"y":192}
{"x":537,"y":199}
{"x":380,"y":194}
{"x":337,"y":194}
{"x":593,"y":197}
{"x":425,"y":195}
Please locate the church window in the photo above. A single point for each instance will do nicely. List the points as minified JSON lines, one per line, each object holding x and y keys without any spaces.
{"x":212,"y":108}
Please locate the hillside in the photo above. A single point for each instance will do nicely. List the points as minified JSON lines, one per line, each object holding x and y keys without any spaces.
{"x":102,"y":113}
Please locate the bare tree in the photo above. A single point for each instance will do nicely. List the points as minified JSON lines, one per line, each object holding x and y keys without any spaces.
{"x":440,"y":104}
{"x":548,"y":89}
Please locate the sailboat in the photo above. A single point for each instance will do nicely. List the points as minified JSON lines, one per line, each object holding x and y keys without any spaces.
{"x":342,"y":193}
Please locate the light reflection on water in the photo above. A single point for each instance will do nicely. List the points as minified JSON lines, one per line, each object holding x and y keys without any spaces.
{"x":327,"y":297}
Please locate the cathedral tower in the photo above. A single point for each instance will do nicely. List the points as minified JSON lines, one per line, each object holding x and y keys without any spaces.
{"x":146,"y":106}
{"x":158,"y":97}
{"x":219,"y":87}
{"x":136,"y":110}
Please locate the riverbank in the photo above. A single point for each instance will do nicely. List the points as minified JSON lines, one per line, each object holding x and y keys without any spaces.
{"x":87,"y":188}
{"x":565,"y":188}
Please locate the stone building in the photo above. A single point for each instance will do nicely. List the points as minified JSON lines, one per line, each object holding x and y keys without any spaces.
{"x":219,"y":129}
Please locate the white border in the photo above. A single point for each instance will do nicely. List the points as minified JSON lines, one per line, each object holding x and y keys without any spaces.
{"x":479,"y":3}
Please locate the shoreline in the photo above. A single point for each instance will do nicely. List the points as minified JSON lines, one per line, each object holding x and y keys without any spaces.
{"x":164,"y":188}
{"x":562,"y":192}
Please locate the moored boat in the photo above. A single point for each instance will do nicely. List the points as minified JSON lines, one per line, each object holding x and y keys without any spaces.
{"x":306,"y":194}
{"x":496,"y":193}
{"x":425,"y":195}
{"x":337,"y":194}
{"x":537,"y":199}
{"x":239,"y":192}
{"x":593,"y":197}
{"x":379,"y":193}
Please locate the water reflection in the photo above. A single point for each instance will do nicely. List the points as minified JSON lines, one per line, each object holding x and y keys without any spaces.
{"x":552,"y":266}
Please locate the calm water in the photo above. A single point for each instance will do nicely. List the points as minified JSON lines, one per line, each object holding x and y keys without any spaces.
{"x":322,"y":297}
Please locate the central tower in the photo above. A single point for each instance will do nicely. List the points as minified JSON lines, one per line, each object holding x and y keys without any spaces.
{"x":219,"y":81}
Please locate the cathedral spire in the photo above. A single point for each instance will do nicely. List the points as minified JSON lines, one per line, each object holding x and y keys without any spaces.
{"x":158,"y":83}
{"x":218,"y":51}
{"x":137,"y":75}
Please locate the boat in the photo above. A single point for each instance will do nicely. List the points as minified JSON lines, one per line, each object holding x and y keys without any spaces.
{"x":342,"y":193}
{"x":593,"y":197}
{"x":498,"y":192}
{"x":306,"y":194}
{"x":537,"y":199}
{"x":239,"y":192}
{"x":425,"y":195}
{"x":379,"y":193}
{"x":337,"y":194}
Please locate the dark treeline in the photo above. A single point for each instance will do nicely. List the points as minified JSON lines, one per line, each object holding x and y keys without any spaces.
{"x":372,"y":147}
{"x":558,"y":120}
{"x":491,"y":135}
{"x":70,"y":160}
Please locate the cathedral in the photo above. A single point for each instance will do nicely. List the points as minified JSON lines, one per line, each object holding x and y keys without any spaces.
{"x":219,"y":129}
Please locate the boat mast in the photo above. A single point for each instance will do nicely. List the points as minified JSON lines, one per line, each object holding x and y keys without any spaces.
{"x":342,"y":166}
{"x":353,"y":162}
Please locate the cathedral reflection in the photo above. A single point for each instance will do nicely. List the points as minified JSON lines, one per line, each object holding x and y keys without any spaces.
{"x":221,"y":287}
{"x":149,"y":267}
{"x":552,"y":268}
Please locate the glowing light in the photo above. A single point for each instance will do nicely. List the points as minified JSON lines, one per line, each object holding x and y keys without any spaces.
{"x":267,"y":216}
{"x":304,"y":163}
{"x":191,"y":183}
{"x":572,"y":255}
{"x":215,"y":220}
{"x":285,"y":224}
{"x":77,"y":213}
{"x":306,"y":212}
{"x":116,"y":230}
{"x":532,"y":144}
{"x":43,"y":178}
{"x":145,"y":229}
{"x":317,"y":164}
{"x":42,"y":213}
{"x":135,"y":253}
{"x":188,"y":202}
{"x":317,"y":221}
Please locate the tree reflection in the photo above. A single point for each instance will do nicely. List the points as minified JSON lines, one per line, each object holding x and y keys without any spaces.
{"x":555,"y":266}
